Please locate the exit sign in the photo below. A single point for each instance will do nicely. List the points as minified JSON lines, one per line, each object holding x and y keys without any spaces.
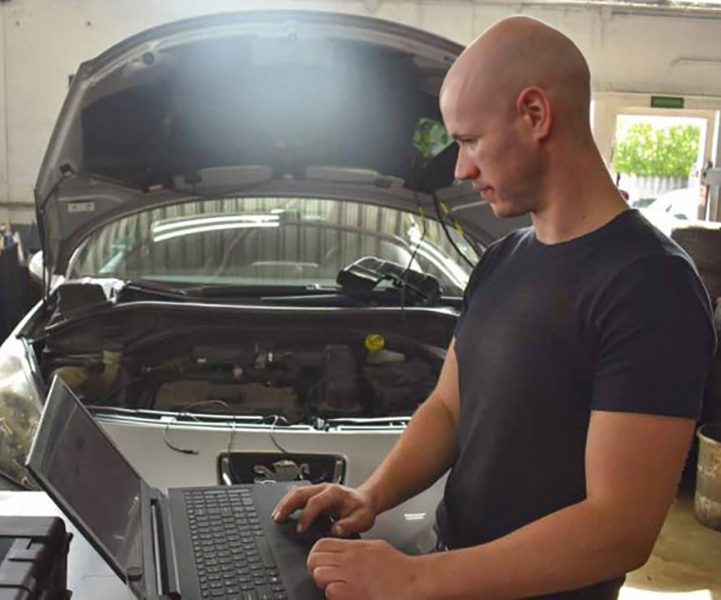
{"x":666,"y":102}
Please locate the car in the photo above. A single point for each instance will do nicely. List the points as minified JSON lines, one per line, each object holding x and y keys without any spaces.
{"x":672,"y":209}
{"x":680,"y":203}
{"x":254,"y":252}
{"x":644,"y":202}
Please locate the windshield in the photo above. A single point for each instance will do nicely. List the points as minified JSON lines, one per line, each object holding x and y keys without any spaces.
{"x":270,"y":241}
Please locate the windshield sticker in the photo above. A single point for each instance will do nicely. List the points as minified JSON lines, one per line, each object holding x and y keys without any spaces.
{"x":81,"y":207}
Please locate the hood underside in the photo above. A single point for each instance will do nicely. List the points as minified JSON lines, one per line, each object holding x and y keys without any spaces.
{"x":217,"y":104}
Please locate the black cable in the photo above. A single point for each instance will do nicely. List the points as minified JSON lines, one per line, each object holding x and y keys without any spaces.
{"x":229,"y":449}
{"x":192,"y":451}
{"x":231,"y":466}
{"x":173,"y":446}
{"x":277,"y":418}
{"x":404,"y":275}
{"x":473,"y":243}
{"x":445,"y":230}
{"x":187,"y":412}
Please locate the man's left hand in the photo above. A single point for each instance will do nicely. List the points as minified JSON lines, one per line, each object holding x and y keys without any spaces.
{"x":362,"y":570}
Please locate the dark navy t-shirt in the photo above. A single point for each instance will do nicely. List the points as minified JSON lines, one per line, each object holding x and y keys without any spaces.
{"x":615,"y":320}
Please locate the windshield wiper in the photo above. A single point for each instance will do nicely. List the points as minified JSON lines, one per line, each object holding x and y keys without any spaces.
{"x":184,"y":292}
{"x":255,"y":291}
{"x":358,"y":285}
{"x":153,"y":288}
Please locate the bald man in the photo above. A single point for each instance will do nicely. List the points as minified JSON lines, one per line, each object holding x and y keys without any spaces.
{"x":567,"y":400}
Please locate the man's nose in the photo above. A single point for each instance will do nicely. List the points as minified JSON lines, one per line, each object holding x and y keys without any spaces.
{"x":465,"y":168}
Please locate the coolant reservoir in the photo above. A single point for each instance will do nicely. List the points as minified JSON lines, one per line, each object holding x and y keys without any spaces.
{"x":377,"y":354}
{"x":384,"y":357}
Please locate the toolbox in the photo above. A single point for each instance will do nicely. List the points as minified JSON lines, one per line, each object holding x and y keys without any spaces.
{"x":33,"y":558}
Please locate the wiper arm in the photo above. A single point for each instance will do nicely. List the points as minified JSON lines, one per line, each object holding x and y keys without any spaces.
{"x":222,"y":291}
{"x":305,"y":295}
{"x":357,"y":283}
{"x":145,"y":286}
{"x":260,"y":292}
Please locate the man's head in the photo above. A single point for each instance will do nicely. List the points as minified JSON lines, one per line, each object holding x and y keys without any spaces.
{"x":517,"y":101}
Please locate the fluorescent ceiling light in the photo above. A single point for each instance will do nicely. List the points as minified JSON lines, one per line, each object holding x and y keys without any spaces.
{"x":206,"y":228}
{"x":225,"y":219}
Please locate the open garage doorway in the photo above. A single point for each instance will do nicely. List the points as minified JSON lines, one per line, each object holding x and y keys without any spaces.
{"x":657,"y":160}
{"x":690,"y":129}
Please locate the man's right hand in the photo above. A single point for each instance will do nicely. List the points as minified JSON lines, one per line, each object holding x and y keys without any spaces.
{"x":351,"y":508}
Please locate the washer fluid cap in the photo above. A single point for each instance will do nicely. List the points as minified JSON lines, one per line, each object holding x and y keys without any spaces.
{"x":375,"y":342}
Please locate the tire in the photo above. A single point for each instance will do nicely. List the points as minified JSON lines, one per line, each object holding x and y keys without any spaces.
{"x":711,"y":409}
{"x":703,"y":244}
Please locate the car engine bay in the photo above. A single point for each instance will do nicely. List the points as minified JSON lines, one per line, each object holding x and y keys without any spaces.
{"x":295,"y":371}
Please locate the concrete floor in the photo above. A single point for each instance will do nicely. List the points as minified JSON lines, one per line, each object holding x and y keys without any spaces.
{"x":686,"y":561}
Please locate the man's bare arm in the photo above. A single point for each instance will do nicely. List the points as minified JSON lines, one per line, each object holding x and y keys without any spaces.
{"x":633,"y":465}
{"x":423,"y":453}
{"x":427,"y":447}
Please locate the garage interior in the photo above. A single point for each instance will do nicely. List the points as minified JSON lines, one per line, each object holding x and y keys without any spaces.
{"x":638,"y":51}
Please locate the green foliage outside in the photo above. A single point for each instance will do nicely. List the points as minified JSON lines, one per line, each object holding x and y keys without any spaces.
{"x":652,"y":152}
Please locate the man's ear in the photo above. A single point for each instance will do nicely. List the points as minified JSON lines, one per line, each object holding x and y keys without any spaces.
{"x":534,"y":106}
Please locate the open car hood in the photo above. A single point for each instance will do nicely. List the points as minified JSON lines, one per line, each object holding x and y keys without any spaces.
{"x":283,"y":102}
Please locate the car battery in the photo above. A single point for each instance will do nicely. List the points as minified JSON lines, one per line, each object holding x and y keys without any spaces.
{"x":33,"y":558}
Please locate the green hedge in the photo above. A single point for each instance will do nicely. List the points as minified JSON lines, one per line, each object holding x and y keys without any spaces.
{"x":652,"y":152}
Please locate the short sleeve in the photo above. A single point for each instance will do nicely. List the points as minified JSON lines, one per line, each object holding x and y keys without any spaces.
{"x":654,"y":339}
{"x":489,"y":257}
{"x":472,"y":283}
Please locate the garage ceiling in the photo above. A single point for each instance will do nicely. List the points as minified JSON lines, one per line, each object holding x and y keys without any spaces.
{"x":705,"y":5}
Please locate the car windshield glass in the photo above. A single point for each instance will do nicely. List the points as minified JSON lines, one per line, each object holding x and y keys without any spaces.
{"x":270,"y":241}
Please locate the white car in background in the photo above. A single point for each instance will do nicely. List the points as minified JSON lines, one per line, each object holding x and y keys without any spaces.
{"x":672,"y":209}
{"x":258,"y":252}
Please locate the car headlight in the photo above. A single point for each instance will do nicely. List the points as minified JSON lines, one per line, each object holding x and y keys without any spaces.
{"x":20,"y":408}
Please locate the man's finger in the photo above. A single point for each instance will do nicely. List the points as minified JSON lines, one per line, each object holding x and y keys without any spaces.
{"x":322,"y":559}
{"x":338,"y":590}
{"x":331,"y":545}
{"x":325,"y":575}
{"x":324,"y":502}
{"x":293,"y":500}
{"x":353,"y":523}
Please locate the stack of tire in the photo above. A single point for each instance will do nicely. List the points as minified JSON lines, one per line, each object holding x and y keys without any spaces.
{"x":702,"y":242}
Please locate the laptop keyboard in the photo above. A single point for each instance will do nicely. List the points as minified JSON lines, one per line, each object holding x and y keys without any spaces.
{"x":232,"y":554}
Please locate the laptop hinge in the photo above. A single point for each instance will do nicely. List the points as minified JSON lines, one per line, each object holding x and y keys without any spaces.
{"x":163,"y":550}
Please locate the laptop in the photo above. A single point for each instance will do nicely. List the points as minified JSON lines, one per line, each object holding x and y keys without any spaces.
{"x":193,"y":543}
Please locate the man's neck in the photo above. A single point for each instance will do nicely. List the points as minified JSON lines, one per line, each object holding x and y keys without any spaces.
{"x":577,"y":203}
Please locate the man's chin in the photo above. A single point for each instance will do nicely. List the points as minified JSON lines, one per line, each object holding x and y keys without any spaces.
{"x":503,"y":211}
{"x":501,"y":208}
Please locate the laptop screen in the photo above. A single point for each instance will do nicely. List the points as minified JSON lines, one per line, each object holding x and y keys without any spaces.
{"x":88,"y":477}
